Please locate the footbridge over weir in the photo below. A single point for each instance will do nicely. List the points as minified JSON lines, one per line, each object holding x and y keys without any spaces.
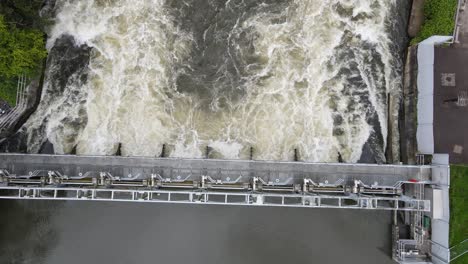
{"x":208,"y":181}
{"x":419,"y":193}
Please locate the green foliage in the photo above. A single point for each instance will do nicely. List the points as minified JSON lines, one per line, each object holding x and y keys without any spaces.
{"x":22,"y":13}
{"x":22,"y":44}
{"x":8,"y":90}
{"x":21,"y":50}
{"x":458,"y":207}
{"x":439,"y":19}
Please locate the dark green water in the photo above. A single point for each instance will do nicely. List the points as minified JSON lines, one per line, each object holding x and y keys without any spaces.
{"x":126,"y":233}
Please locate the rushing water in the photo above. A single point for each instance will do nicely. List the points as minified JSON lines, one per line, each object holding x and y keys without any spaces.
{"x":274,"y":75}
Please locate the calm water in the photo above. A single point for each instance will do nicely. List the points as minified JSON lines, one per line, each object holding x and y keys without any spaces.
{"x":122,"y":233}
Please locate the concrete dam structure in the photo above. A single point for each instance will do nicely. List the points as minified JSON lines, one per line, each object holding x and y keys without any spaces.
{"x":418,"y":193}
{"x":213,"y":181}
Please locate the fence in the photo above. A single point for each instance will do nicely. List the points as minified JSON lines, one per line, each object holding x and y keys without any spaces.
{"x":12,"y":116}
{"x":459,"y":250}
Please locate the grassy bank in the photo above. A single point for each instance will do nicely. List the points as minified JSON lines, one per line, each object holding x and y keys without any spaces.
{"x":459,"y":207}
{"x":439,"y":18}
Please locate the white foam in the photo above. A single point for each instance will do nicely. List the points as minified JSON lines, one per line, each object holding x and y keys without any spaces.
{"x":132,"y":97}
{"x":228,"y":150}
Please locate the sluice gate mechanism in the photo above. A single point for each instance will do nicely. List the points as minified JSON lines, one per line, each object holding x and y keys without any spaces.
{"x":222,"y":182}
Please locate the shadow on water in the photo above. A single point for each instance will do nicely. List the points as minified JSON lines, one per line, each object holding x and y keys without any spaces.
{"x":319,"y":236}
{"x":114,"y":233}
{"x":26,"y":234}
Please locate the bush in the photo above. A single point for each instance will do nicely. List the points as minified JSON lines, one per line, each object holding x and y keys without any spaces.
{"x":8,"y":90}
{"x":22,"y":44}
{"x":22,"y":13}
{"x":439,"y":19}
{"x":21,"y":50}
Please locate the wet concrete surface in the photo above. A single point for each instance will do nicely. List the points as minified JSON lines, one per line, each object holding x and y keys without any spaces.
{"x":408,"y":110}
{"x":416,"y":18}
{"x":450,"y":118}
{"x":101,"y":232}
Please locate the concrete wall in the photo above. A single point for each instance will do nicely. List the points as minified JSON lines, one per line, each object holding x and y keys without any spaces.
{"x":441,"y":221}
{"x":425,"y":131}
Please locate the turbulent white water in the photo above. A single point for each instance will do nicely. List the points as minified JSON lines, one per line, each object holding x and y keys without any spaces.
{"x":311,"y":75}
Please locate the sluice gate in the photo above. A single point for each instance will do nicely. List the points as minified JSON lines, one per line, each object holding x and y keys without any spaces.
{"x":227,"y":182}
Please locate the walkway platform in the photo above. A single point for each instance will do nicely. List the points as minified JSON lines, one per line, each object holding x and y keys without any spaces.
{"x":229,"y":182}
{"x":247,"y":183}
{"x":451,"y":103}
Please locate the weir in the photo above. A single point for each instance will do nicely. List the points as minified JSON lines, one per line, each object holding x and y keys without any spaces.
{"x":228,"y":182}
{"x":416,"y":194}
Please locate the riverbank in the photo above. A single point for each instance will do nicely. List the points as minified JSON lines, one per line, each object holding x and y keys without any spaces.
{"x":427,"y":18}
{"x":72,"y":59}
{"x":23,"y":52}
{"x":32,"y":96}
{"x":448,"y":121}
{"x":22,"y":45}
{"x":432,"y":17}
{"x":416,"y":18}
{"x":408,"y":110}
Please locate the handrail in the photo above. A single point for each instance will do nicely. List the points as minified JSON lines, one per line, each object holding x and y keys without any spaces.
{"x":459,"y":250}
{"x":20,"y":106}
{"x":456,"y":30}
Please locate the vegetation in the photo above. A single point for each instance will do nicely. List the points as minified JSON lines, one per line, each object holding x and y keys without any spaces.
{"x":439,"y":19}
{"x":22,"y":13}
{"x":458,"y":207}
{"x":21,"y":50}
{"x":8,"y":90}
{"x":22,"y":43}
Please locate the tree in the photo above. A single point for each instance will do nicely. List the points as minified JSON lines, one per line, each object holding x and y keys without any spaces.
{"x":22,"y":13}
{"x":21,"y":50}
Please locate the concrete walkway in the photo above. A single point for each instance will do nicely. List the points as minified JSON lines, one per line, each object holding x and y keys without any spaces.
{"x":451,"y":117}
{"x":416,"y":18}
{"x":451,"y":93}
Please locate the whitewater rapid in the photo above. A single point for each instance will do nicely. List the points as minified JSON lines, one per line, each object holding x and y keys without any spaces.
{"x":273,"y":75}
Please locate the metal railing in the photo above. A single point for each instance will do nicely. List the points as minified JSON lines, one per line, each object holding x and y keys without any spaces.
{"x":419,"y":235}
{"x":189,"y":186}
{"x":456,"y":30}
{"x":214,"y":197}
{"x":408,"y":251}
{"x":459,"y":250}
{"x":21,"y":97}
